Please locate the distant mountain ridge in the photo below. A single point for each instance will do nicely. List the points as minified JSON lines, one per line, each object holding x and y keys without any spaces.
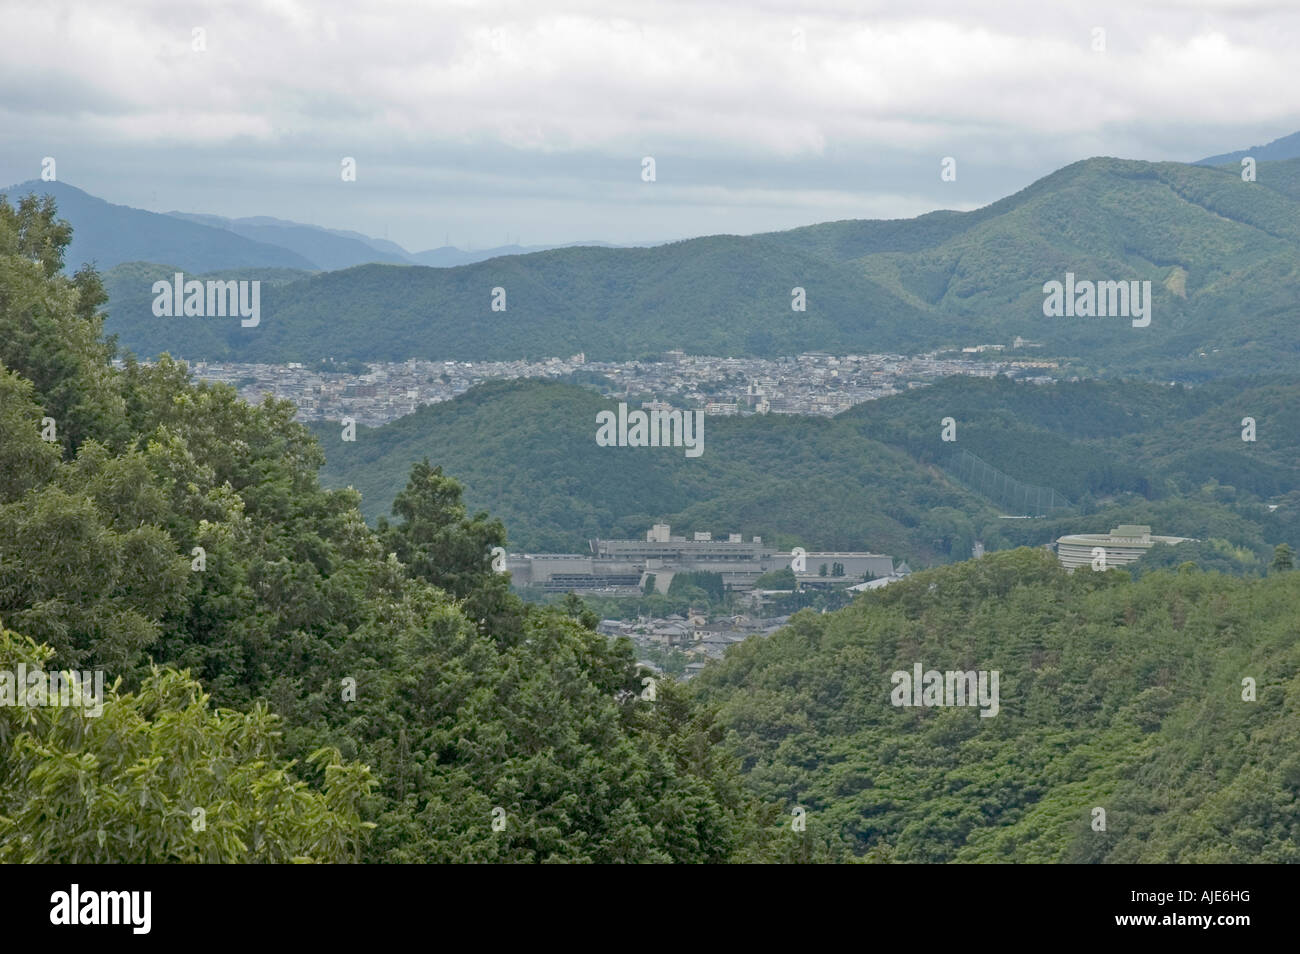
{"x":1222,"y":257}
{"x":332,"y":249}
{"x":1287,"y":147}
{"x":109,"y":235}
{"x":326,"y":249}
{"x":381,"y":245}
{"x":448,"y":256}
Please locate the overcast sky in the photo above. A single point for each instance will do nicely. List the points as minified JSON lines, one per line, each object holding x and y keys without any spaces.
{"x":474,"y":122}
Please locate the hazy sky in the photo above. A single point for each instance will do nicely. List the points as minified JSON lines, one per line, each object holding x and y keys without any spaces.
{"x":478,"y":121}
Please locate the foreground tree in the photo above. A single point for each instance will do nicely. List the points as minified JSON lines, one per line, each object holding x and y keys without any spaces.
{"x":159,"y":776}
{"x":178,"y":524}
{"x":439,"y":542}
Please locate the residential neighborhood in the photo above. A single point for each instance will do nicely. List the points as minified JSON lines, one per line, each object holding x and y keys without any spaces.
{"x":814,"y":383}
{"x":694,"y":638}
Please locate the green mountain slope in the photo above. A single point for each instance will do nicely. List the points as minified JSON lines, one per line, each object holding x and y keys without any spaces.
{"x":130,"y":289}
{"x":719,"y":294}
{"x":1285,"y":147}
{"x":1102,"y":438}
{"x":1222,"y":256}
{"x":526,"y":450}
{"x":871,"y":478}
{"x":1113,"y":695}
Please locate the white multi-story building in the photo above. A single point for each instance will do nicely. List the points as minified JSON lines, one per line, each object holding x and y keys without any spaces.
{"x":1126,"y":543}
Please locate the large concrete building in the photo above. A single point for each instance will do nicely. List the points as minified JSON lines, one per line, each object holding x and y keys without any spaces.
{"x":1124,"y":544}
{"x":621,"y":564}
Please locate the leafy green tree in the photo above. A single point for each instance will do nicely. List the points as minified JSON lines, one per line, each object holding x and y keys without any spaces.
{"x":187,"y":527}
{"x":439,"y":542}
{"x":50,"y":329}
{"x":26,"y":461}
{"x":699,"y":587}
{"x":85,"y":565}
{"x":158,"y":776}
{"x":782,"y":579}
{"x":1113,"y":692}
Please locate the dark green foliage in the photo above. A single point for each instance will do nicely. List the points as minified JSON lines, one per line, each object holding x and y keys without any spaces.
{"x":439,"y":543}
{"x":183,"y":529}
{"x":708,"y":585}
{"x":50,"y":327}
{"x":871,"y":478}
{"x":1114,"y":694}
{"x":1213,"y":554}
{"x":782,"y":579}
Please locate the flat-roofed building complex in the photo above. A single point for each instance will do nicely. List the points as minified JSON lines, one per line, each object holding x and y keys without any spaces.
{"x":627,"y":563}
{"x":1124,"y":544}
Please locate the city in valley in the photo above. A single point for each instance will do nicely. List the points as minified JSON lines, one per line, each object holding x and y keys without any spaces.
{"x":814,"y":383}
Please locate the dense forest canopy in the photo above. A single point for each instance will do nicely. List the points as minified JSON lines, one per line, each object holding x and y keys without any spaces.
{"x":386,"y":684}
{"x":879,"y":477}
{"x":286,"y":682}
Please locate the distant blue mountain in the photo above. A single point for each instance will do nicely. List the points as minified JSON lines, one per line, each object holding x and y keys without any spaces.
{"x":448,"y":256}
{"x":327,"y":248}
{"x":109,"y":235}
{"x":1288,"y":147}
{"x":332,"y":249}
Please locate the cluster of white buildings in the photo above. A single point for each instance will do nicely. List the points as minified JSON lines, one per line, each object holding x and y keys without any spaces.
{"x":627,"y":566}
{"x":814,"y":383}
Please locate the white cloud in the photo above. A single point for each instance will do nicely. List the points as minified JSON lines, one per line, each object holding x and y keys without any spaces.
{"x":897,"y":84}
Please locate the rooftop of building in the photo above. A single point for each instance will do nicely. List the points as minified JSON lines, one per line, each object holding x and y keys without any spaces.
{"x":1125,"y":533}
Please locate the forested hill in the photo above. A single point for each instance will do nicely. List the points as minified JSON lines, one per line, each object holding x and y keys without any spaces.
{"x":714,"y":295}
{"x":1222,"y":256}
{"x":285,"y":683}
{"x":877,"y":477}
{"x":526,"y":451}
{"x":305,"y":687}
{"x":1095,"y":439}
{"x":1129,"y":698}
